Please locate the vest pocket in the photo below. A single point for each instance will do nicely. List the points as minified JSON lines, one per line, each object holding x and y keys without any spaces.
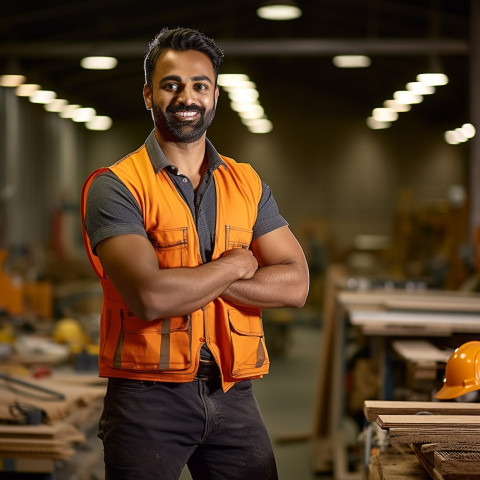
{"x":249,"y":353}
{"x":137,"y":345}
{"x":237,"y":237}
{"x":170,"y":246}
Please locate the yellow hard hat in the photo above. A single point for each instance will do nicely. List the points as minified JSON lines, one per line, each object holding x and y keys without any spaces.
{"x":68,"y":331}
{"x":462,"y":372}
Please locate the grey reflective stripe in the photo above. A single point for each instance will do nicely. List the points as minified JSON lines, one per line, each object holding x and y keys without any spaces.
{"x":260,"y":354}
{"x":117,"y":357}
{"x":165,"y":345}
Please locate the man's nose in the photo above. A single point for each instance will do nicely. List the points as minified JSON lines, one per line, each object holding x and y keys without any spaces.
{"x":186,"y":96}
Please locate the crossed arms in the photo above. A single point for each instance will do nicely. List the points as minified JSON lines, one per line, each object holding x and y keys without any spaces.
{"x":282,"y":280}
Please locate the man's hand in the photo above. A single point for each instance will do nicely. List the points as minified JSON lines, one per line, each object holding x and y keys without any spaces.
{"x":244,"y":261}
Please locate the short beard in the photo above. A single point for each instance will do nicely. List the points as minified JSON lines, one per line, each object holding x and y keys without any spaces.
{"x":176,"y":131}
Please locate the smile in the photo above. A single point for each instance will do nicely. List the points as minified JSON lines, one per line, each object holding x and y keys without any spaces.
{"x":186,"y":114}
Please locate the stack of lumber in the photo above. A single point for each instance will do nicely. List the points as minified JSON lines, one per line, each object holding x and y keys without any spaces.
{"x":35,"y":448}
{"x":445,"y":437}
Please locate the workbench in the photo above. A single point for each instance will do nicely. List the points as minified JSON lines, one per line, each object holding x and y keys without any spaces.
{"x":378,"y":315}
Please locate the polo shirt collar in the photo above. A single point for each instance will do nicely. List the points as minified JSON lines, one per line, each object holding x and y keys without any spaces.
{"x":159,"y":160}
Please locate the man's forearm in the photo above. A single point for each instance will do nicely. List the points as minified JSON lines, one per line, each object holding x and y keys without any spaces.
{"x":273,"y":286}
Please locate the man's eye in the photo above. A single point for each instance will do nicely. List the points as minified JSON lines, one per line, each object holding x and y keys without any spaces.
{"x":171,"y":86}
{"x":202,"y":86}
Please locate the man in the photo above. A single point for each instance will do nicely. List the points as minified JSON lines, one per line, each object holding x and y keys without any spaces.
{"x":189,"y":246}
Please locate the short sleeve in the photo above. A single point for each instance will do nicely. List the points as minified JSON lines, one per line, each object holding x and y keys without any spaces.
{"x":111,"y":210}
{"x":268,"y":217}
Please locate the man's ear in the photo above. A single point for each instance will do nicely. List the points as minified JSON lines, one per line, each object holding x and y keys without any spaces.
{"x":217,"y":92}
{"x":147,"y":96}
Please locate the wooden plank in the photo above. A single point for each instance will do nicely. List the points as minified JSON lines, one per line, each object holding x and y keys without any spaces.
{"x":434,"y":435}
{"x":422,"y":321}
{"x":373,"y":408}
{"x":457,"y":463}
{"x":399,"y":463}
{"x":420,"y":351}
{"x":435,"y":421}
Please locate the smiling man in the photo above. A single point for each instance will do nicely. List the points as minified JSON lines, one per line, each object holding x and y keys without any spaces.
{"x":189,"y":247}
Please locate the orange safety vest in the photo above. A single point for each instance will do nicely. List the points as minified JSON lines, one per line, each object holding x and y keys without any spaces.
{"x":168,"y":349}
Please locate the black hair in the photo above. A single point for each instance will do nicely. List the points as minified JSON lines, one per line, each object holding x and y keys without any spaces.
{"x":180,"y":39}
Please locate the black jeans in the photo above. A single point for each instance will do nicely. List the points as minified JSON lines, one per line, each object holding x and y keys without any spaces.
{"x":150,"y":431}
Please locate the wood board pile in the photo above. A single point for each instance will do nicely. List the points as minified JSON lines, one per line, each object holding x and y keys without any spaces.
{"x":36,"y":447}
{"x":444,"y":436}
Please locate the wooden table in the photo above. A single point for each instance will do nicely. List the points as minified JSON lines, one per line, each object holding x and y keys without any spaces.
{"x":378,"y":314}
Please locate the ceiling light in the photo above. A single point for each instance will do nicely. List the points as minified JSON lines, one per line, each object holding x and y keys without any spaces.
{"x":407,"y":97}
{"x":26,"y":89}
{"x":98,"y":63}
{"x":420,"y":88}
{"x":468,"y":130}
{"x":83,"y":114}
{"x":247,"y":95}
{"x":461,"y":137}
{"x":259,"y":125}
{"x":384,"y":114}
{"x":99,"y":122}
{"x":375,"y":124}
{"x":11,"y":80}
{"x":397,"y":107}
{"x":42,"y":96}
{"x":231,"y":79}
{"x":254,"y":110}
{"x":279,"y":10}
{"x":451,"y":137}
{"x":240,"y":84}
{"x":69,"y":111}
{"x":351,"y":61}
{"x":56,"y":105}
{"x":433,"y":79}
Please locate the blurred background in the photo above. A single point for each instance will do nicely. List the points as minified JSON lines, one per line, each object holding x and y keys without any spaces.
{"x":373,"y":164}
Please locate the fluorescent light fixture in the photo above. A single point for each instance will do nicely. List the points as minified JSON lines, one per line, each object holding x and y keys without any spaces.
{"x":351,"y":61}
{"x":56,"y":105}
{"x":461,"y":137}
{"x":99,"y":122}
{"x":375,"y":124}
{"x":397,"y":107}
{"x":26,"y":89}
{"x":407,"y":97}
{"x":468,"y":130}
{"x":242,"y":106}
{"x":279,"y":10}
{"x":244,"y":95}
{"x":384,"y":114}
{"x":231,"y":79}
{"x":420,"y":88}
{"x":240,"y":84}
{"x":42,"y":96}
{"x":69,"y":110}
{"x":98,"y":63}
{"x":433,"y":79}
{"x":11,"y":80}
{"x":83,"y":114}
{"x":259,"y":125}
{"x":253,"y":111}
{"x":451,"y":137}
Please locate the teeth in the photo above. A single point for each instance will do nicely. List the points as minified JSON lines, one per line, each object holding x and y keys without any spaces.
{"x":186,"y":114}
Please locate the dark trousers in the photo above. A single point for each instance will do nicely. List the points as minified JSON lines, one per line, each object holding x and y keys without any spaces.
{"x":150,"y":431}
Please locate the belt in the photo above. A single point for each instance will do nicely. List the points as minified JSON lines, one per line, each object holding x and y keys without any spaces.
{"x":207,"y":370}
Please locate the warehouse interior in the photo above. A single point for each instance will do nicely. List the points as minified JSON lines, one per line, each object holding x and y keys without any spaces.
{"x":387,"y":212}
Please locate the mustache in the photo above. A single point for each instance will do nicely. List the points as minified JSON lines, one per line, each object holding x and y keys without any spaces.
{"x":185,"y":108}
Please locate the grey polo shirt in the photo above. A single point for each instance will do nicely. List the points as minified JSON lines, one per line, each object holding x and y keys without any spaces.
{"x":112,"y":209}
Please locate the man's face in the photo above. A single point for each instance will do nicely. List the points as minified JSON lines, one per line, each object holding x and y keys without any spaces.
{"x":183,"y":95}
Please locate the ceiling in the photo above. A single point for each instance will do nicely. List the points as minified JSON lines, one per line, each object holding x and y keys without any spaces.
{"x":47,"y":39}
